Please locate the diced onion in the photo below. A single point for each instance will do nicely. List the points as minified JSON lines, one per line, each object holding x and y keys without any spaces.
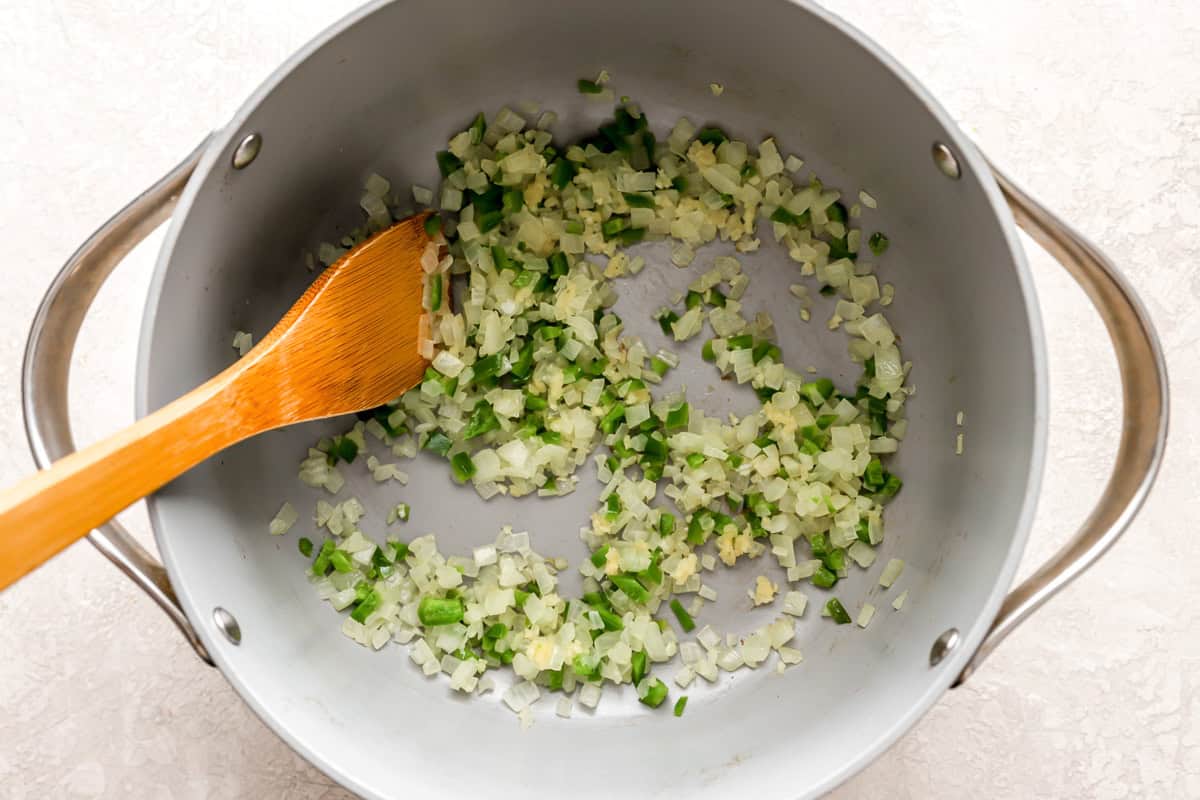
{"x":530,"y":371}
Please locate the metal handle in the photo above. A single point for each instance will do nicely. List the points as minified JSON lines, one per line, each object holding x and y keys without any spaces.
{"x":1139,"y":358}
{"x":1145,"y":411}
{"x":47,"y":367}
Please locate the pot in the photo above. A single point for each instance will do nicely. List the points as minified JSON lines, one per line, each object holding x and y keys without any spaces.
{"x":381,"y":91}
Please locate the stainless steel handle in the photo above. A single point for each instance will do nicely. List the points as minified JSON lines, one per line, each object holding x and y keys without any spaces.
{"x":47,"y":366}
{"x":1139,"y":356}
{"x":1145,"y":411}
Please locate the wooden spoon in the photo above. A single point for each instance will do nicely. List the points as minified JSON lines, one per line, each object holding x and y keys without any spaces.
{"x":349,"y":344}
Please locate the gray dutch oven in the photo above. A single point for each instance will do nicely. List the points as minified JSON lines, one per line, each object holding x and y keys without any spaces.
{"x":381,"y":91}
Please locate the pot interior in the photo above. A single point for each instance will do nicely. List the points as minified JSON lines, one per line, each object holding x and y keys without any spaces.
{"x":382,"y":96}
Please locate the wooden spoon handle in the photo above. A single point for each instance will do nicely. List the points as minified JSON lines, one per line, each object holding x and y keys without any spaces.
{"x":51,"y":509}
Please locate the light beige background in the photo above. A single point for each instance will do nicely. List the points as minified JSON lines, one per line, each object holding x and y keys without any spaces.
{"x":1094,"y":105}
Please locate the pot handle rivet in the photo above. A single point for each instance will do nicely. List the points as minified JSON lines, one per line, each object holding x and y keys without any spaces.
{"x":247,"y":150}
{"x":946,"y":161}
{"x":944,"y":646}
{"x":227,"y":625}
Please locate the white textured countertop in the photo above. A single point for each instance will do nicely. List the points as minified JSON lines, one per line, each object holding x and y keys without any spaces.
{"x":1092,"y":105}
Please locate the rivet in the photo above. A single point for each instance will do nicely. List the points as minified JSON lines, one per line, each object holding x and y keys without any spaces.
{"x":247,"y":151}
{"x":944,"y":646}
{"x":227,"y":625}
{"x":946,"y":161}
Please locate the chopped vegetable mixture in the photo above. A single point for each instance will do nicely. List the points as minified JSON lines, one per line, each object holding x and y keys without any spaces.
{"x":532,"y":375}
